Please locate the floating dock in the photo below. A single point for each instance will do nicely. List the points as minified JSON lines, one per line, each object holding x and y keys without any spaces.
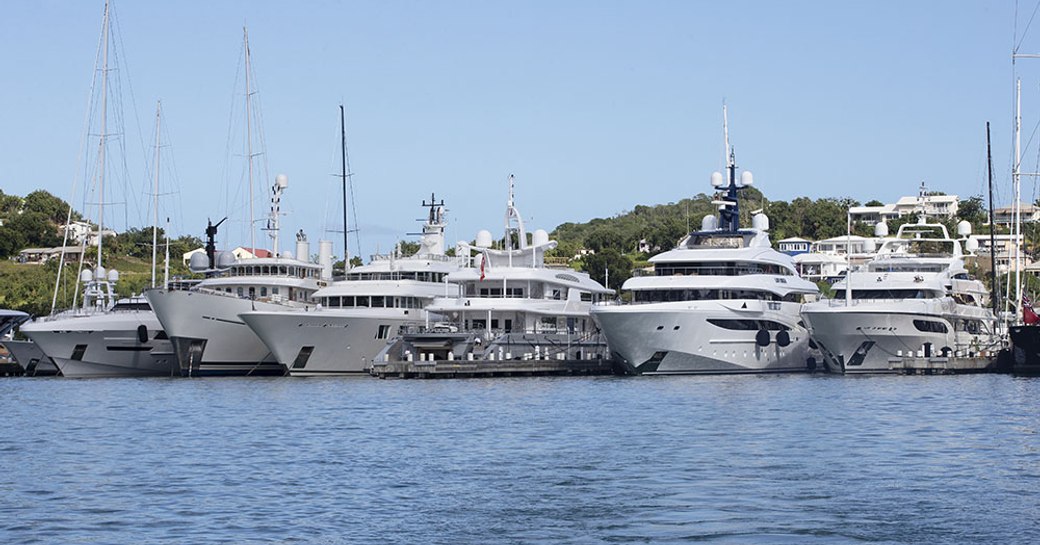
{"x":946,"y":366}
{"x":491,"y":368}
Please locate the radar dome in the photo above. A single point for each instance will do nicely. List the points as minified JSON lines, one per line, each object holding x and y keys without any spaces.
{"x":288,"y":255}
{"x":483,"y":239}
{"x":881,"y":229}
{"x":225,"y":260}
{"x":99,"y":273}
{"x":198,"y":262}
{"x":760,"y":222}
{"x":709,"y":223}
{"x":113,"y":276}
{"x":281,"y":181}
{"x":539,"y":238}
{"x":963,"y":228}
{"x":869,"y":246}
{"x":746,"y":179}
{"x":717,"y":180}
{"x":971,"y":245}
{"x":85,"y":276}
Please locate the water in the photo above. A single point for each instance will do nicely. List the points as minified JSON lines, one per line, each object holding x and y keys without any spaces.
{"x":746,"y":459}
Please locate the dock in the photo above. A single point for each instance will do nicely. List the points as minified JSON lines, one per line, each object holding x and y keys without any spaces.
{"x":491,"y":368}
{"x":946,"y":365}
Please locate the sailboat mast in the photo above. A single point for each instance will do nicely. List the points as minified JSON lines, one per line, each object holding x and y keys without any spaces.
{"x":343,"y":165}
{"x":1016,"y":176}
{"x":104,"y":135}
{"x":155,"y":188}
{"x":249,"y":140}
{"x":992,"y":237}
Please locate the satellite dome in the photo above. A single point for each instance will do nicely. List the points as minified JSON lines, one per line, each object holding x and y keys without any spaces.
{"x":225,"y":260}
{"x":540,"y":238}
{"x":99,"y":273}
{"x":760,"y":221}
{"x":746,"y":179}
{"x":709,"y":223}
{"x":484,"y":239}
{"x":869,"y":246}
{"x":86,"y":276}
{"x":198,"y":262}
{"x":881,"y":229}
{"x":113,"y":276}
{"x":964,"y":228}
{"x":281,"y":181}
{"x":288,"y":255}
{"x":717,"y":180}
{"x":971,"y":245}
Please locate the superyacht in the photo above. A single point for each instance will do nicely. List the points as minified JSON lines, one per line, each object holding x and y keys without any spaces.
{"x":510,"y":305}
{"x":356,"y":317}
{"x":723,"y":301}
{"x":915,"y":299}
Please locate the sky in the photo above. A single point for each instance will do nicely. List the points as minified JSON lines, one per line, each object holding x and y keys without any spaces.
{"x":595,"y":107}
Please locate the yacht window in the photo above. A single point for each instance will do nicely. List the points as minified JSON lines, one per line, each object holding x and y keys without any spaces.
{"x":384,"y":332}
{"x":748,"y":325}
{"x":479,"y":324}
{"x":930,"y":326}
{"x":252,"y":292}
{"x":266,"y":270}
{"x":586,"y":296}
{"x":281,"y":270}
{"x":240,"y":293}
{"x":361,"y":301}
{"x":274,"y":290}
{"x":377,"y":301}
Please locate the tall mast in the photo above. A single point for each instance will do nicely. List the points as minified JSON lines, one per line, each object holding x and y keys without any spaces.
{"x":992,"y":238}
{"x":1016,"y":176}
{"x":104,"y":136}
{"x":155,"y":188}
{"x":249,"y":140}
{"x":343,"y":164}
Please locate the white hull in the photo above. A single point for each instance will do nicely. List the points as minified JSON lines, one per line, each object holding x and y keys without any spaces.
{"x":207,"y":335}
{"x":863,"y":338}
{"x":329,"y":341}
{"x":104,"y":345}
{"x":676,"y":338}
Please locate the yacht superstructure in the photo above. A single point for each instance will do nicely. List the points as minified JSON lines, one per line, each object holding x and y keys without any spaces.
{"x":357,"y":316}
{"x":722,"y":301}
{"x":510,"y":304}
{"x":915,"y":298}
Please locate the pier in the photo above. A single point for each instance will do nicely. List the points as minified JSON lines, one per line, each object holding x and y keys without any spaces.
{"x":491,"y":368}
{"x":945,"y":365}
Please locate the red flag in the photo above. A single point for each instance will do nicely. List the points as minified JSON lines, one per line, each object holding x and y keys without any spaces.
{"x":1029,"y":317}
{"x":482,"y":259}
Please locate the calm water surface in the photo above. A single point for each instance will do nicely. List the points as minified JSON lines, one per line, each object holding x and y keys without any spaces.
{"x":788,"y":459}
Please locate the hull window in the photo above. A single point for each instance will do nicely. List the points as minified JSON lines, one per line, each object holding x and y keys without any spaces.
{"x":302,"y":357}
{"x":77,"y":353}
{"x":749,"y":325}
{"x":930,"y":326}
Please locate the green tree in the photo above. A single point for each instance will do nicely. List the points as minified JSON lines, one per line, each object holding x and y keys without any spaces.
{"x":619,"y":265}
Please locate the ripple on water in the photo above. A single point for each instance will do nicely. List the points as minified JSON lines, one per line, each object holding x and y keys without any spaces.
{"x":762,"y":459}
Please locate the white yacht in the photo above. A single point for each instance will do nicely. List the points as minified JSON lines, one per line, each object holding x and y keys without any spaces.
{"x":106,"y":337}
{"x":357,"y":316}
{"x":723,"y":301}
{"x":915,"y":299}
{"x":203,"y":321}
{"x":510,"y":306}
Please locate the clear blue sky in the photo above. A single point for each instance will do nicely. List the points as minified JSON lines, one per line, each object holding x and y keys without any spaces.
{"x":595,"y":106}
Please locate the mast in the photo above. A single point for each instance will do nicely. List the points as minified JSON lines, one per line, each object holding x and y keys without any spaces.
{"x":249,"y":139}
{"x":104,"y":136}
{"x":155,"y":188}
{"x":343,"y":165}
{"x":1016,"y":177}
{"x":992,"y":237}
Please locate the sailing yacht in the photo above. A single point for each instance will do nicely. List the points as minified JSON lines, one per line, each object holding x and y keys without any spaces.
{"x":722,"y":301}
{"x":105,"y":337}
{"x":510,"y":305}
{"x":356,"y":317}
{"x":915,"y":299}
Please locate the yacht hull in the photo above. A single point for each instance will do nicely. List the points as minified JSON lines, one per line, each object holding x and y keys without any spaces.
{"x":31,"y":359}
{"x":329,"y":342}
{"x":862,"y":340}
{"x":104,"y":345}
{"x":208,"y":337}
{"x":677,"y":338}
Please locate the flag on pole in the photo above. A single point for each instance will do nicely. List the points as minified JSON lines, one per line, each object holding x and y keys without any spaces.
{"x":483,"y":258}
{"x":1029,"y":316}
